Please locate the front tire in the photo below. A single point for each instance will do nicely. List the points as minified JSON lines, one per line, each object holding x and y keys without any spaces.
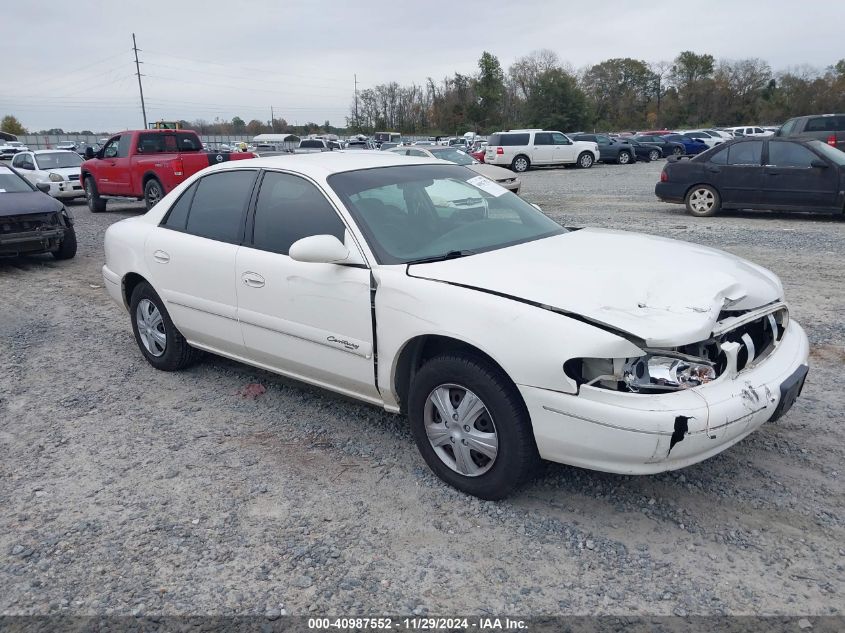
{"x":160,"y":342}
{"x":585,"y":160}
{"x":67,"y":249}
{"x":654,"y":155}
{"x":153,"y":192}
{"x":624,"y":158}
{"x":95,"y":203}
{"x":471,"y":426}
{"x":703,"y":201}
{"x":520,"y":164}
{"x":677,"y":151}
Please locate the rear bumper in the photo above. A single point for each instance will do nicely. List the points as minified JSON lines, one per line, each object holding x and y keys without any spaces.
{"x":670,"y":191}
{"x":113,"y":285}
{"x":633,"y":433}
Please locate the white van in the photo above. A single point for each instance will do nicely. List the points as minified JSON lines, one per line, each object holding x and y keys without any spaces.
{"x":520,"y":149}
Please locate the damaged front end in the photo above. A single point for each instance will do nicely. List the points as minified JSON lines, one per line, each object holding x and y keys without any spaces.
{"x":739,"y":340}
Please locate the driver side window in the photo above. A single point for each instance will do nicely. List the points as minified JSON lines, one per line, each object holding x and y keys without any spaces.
{"x":110,"y":150}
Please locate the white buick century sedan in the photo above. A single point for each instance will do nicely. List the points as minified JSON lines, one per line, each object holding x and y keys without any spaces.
{"x":421,"y":287}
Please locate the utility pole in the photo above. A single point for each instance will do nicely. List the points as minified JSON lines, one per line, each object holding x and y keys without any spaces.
{"x":140,"y":87}
{"x":357,"y":126}
{"x":272,"y":120}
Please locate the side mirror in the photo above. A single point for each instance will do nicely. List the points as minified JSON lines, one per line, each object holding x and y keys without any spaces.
{"x":322,"y":249}
{"x":819,"y":163}
{"x":43,"y":187}
{"x":27,"y":166}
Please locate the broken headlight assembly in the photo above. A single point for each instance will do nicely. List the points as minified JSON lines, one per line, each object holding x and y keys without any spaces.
{"x":656,"y":371}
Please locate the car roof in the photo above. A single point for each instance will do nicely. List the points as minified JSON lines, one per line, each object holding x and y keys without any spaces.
{"x":52,"y":151}
{"x":323,"y":164}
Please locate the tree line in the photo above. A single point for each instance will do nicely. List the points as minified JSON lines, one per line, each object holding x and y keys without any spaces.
{"x":541,"y":91}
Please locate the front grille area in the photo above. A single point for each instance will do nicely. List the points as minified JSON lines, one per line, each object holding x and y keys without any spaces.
{"x":10,"y":225}
{"x":73,"y":177}
{"x":756,"y":339}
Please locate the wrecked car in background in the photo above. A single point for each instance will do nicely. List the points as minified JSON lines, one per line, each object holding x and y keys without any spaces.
{"x":31,"y":221}
{"x":424,"y":288}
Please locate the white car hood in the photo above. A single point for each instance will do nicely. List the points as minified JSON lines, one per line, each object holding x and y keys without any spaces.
{"x":662,"y":291}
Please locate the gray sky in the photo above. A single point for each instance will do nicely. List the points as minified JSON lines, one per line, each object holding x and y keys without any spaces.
{"x":221,"y":58}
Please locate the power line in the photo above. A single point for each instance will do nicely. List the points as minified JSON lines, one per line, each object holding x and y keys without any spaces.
{"x":140,"y":87}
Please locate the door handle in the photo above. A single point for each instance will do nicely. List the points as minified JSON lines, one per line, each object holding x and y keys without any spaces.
{"x":713,"y":170}
{"x":253,"y":280}
{"x":161,"y":257}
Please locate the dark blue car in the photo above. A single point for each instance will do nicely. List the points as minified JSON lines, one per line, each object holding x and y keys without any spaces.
{"x":691,"y":145}
{"x":31,"y":221}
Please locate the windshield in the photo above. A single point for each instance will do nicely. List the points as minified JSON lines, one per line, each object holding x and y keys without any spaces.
{"x":412,"y":212}
{"x":57,"y":160}
{"x":837,"y":156}
{"x":10,"y":182}
{"x":453,"y":156}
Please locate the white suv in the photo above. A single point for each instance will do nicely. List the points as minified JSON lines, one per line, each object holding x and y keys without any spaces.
{"x":521,"y":149}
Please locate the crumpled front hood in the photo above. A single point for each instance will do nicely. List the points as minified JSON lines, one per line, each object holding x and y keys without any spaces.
{"x":663,"y":291}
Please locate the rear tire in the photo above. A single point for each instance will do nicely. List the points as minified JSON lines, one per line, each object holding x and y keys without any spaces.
{"x":160,"y":342}
{"x":95,"y":203}
{"x":678,"y":151}
{"x":500,"y":426}
{"x":153,"y":193}
{"x":703,"y":201}
{"x":520,"y":164}
{"x":67,"y":249}
{"x":585,"y":160}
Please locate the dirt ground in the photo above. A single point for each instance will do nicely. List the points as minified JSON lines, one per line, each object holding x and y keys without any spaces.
{"x":128,"y":490}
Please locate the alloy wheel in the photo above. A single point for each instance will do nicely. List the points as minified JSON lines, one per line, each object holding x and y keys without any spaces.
{"x":461,"y":430}
{"x":150,"y":325}
{"x":702,"y":200}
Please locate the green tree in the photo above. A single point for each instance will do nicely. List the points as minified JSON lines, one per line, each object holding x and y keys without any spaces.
{"x":556,"y":102}
{"x":238,"y":125}
{"x":620,"y":91}
{"x":489,"y":90}
{"x":11,"y":125}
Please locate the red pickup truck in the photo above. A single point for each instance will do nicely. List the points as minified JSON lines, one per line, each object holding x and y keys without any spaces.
{"x":145,"y":164}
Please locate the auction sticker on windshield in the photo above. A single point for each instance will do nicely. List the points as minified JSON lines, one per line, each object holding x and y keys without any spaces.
{"x":485,"y":184}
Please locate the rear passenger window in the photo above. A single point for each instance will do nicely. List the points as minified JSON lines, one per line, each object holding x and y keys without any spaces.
{"x":819,"y":124}
{"x":786,"y":154}
{"x":177,"y":217}
{"x":217,"y":209}
{"x":290,"y":208}
{"x":749,"y":153}
{"x":543,"y":138}
{"x":514,"y":139}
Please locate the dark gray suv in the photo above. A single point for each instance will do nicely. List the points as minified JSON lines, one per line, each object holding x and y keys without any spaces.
{"x":828,"y":128}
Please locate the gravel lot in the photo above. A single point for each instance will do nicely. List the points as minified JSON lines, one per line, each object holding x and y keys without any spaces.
{"x":127,"y":490}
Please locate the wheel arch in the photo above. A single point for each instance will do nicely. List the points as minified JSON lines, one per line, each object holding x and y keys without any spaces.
{"x":151,"y":175}
{"x":417,"y":350}
{"x":128,"y":284}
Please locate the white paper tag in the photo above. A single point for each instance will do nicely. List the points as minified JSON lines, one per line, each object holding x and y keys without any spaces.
{"x":2,"y":191}
{"x":485,"y":184}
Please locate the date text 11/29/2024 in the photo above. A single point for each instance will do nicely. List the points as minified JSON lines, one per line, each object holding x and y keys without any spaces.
{"x":418,"y":624}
